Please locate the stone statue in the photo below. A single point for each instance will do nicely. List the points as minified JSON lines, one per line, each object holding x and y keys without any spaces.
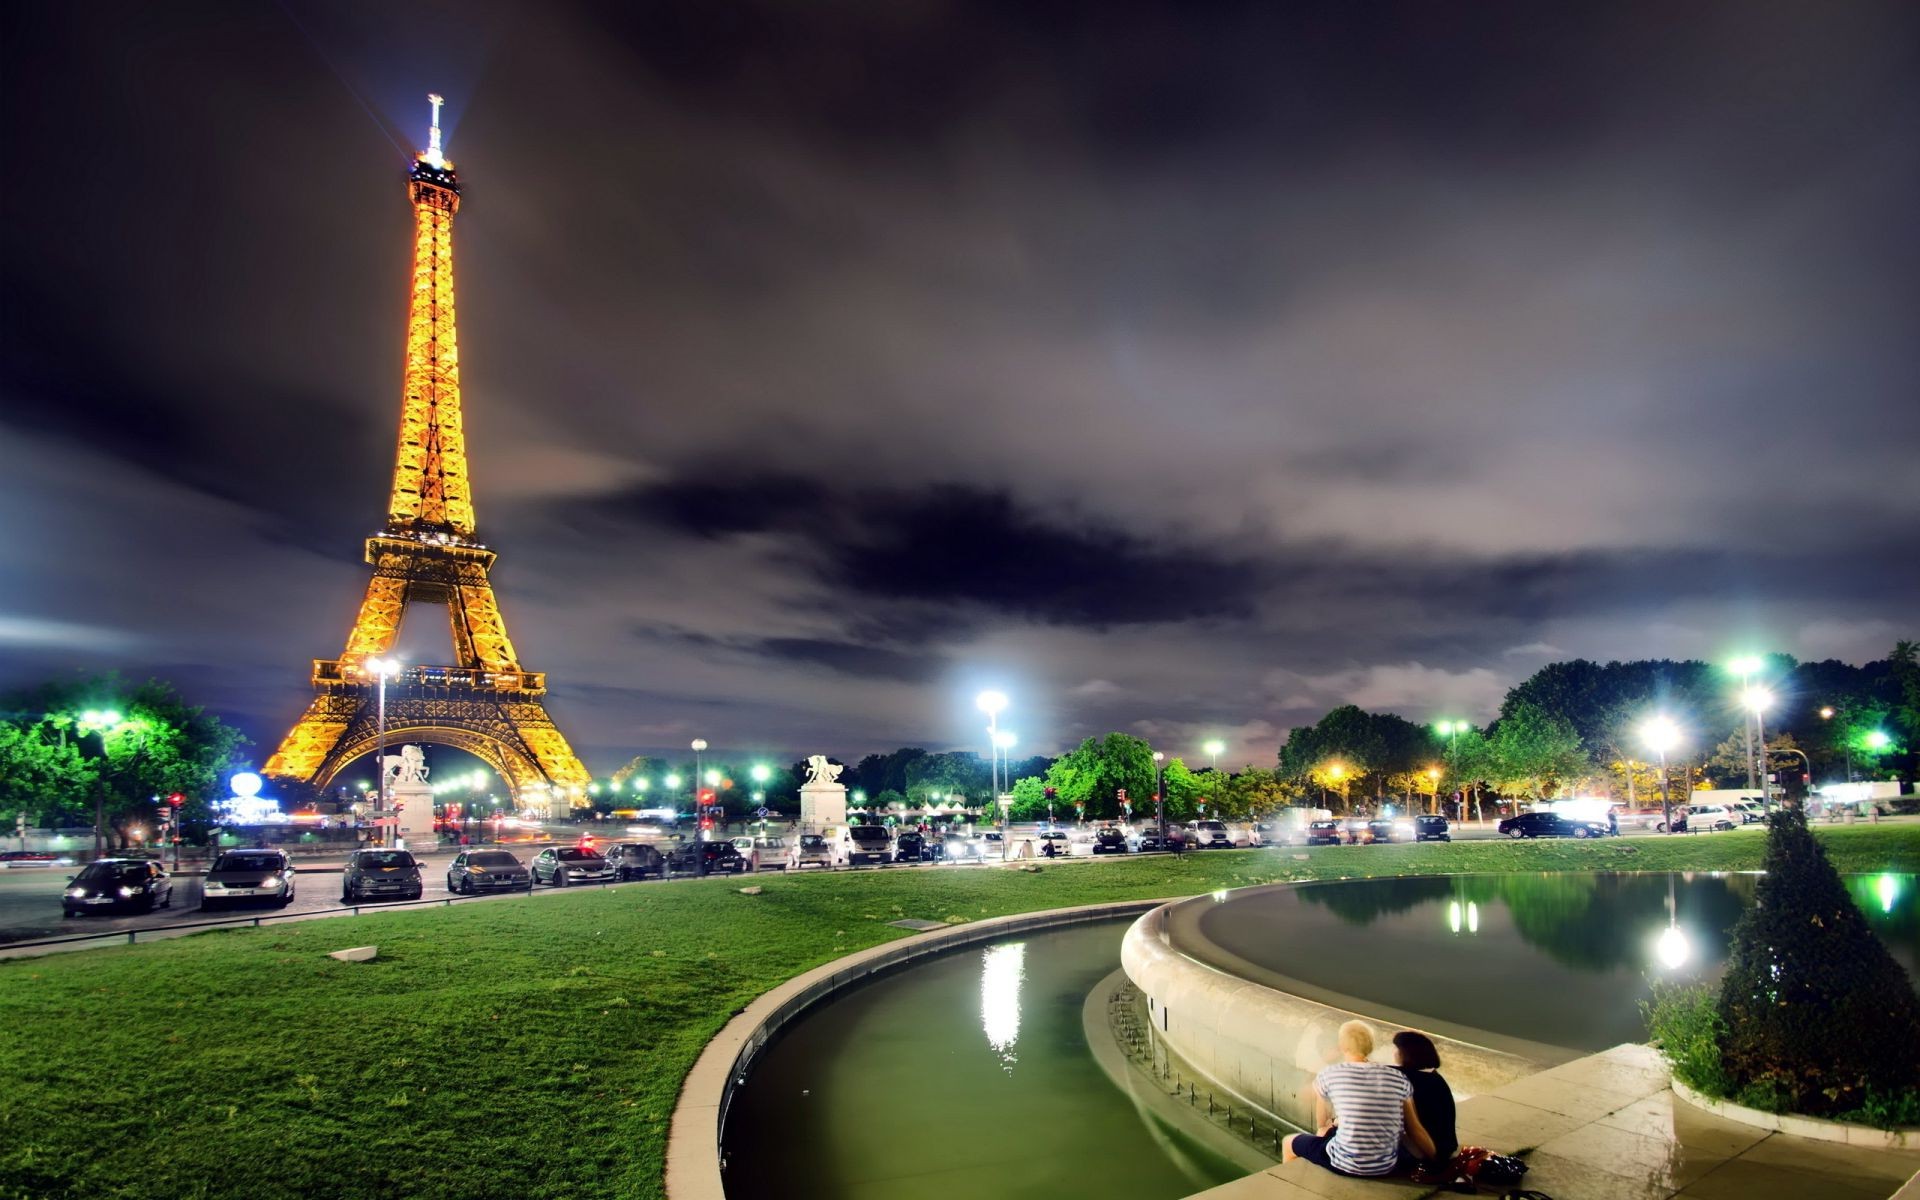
{"x":408,"y":766}
{"x":819,"y":770}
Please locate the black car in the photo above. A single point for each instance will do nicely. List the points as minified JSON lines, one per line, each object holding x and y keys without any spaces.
{"x":107,"y":884}
{"x":909,"y":846}
{"x":487,"y":871}
{"x":1431,"y":829}
{"x":1546,"y":824}
{"x":1150,"y":839}
{"x":1109,"y":840}
{"x":720,"y":859}
{"x":1323,"y":833}
{"x":636,"y":860}
{"x":246,"y":876}
{"x":370,"y":873}
{"x":1389,"y":829}
{"x":564,"y":866}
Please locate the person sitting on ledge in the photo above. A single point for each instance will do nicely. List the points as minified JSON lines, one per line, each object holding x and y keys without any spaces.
{"x":1419,"y":1061}
{"x":1362,"y":1110}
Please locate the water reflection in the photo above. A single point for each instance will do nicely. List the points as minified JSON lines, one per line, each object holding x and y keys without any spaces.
{"x":1002,"y":970}
{"x":1471,"y":912}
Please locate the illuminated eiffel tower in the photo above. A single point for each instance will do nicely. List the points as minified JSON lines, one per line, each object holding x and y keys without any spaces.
{"x":483,"y":703}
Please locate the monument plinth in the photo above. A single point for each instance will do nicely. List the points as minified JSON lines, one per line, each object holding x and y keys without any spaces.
{"x":823,"y":799}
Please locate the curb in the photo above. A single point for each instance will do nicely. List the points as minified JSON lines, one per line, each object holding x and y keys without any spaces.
{"x":1815,"y":1128}
{"x":693,"y":1166}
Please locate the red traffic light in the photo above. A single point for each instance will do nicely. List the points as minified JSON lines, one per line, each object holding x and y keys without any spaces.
{"x":176,"y":800}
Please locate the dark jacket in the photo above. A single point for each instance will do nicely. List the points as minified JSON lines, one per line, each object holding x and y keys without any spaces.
{"x":1433,"y":1104}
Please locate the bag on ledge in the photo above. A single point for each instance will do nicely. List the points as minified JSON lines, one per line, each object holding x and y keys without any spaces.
{"x":1483,"y":1166}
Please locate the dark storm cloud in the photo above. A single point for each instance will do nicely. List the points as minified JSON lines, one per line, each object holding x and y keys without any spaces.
{"x":1180,"y":367}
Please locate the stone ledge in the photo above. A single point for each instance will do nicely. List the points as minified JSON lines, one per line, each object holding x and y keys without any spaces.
{"x":1813,"y":1128}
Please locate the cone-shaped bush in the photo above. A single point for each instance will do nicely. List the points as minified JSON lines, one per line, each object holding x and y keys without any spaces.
{"x":1818,"y":1014}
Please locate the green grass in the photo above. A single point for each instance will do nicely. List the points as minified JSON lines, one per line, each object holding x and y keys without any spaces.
{"x":533,"y":1048}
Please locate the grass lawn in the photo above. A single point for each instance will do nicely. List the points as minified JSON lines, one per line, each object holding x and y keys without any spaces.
{"x":535,"y":1048}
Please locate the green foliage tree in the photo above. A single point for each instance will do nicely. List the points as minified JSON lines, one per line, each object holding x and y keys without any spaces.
{"x":1184,"y":791}
{"x":1469,"y":764}
{"x":1029,"y":798}
{"x":1256,"y":792}
{"x":80,"y":768}
{"x":1819,"y":1017}
{"x":1371,"y":747}
{"x":1534,"y":753}
{"x":1093,"y":773}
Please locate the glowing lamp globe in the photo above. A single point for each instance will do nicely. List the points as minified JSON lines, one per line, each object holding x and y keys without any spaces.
{"x":246,"y":783}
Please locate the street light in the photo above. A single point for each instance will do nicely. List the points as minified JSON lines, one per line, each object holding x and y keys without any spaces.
{"x":1338,"y":773}
{"x":1757,"y":701}
{"x":1213,"y":747}
{"x":1160,"y":795}
{"x":992,"y":703}
{"x":383,"y":669}
{"x":1661,"y":735}
{"x":108,"y":723}
{"x":1433,"y":787}
{"x":1746,"y":667}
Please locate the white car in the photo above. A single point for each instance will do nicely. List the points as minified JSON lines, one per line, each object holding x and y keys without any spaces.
{"x":762,"y":852}
{"x":1712,"y":816}
{"x":809,"y":850}
{"x":1210,"y":835}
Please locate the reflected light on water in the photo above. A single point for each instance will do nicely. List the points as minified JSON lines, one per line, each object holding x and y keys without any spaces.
{"x":1888,"y":888}
{"x":1003,"y":969}
{"x":1471,"y":911}
{"x":1672,"y":948}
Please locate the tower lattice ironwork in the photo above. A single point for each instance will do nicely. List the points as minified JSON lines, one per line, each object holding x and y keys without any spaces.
{"x":483,"y":703}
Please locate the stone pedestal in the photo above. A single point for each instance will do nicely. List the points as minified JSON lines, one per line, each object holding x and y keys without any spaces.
{"x":416,"y":814}
{"x":822,"y":804}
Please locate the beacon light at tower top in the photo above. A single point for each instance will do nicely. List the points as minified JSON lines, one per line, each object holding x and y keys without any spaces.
{"x":990,"y":702}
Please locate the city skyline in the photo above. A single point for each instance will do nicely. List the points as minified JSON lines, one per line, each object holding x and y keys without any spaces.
{"x":802,"y":406}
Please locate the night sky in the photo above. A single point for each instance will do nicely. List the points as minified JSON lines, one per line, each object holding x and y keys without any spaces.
{"x":1181,"y":369}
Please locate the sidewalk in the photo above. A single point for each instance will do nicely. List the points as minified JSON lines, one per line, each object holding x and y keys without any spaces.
{"x":1607,"y":1127}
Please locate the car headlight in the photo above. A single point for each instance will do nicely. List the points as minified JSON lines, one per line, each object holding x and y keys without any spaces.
{"x":214,"y":885}
{"x":273,"y":881}
{"x":127,"y":891}
{"x":76,"y":893}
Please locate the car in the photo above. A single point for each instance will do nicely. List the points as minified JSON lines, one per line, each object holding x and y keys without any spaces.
{"x":1109,"y":839}
{"x":762,"y":850}
{"x":990,"y":845}
{"x":706,"y":858}
{"x":910,"y":846}
{"x":1323,"y":833}
{"x":1266,"y":833}
{"x":1150,"y":839}
{"x":1712,"y":816}
{"x":1355,"y":828}
{"x":809,"y":850}
{"x":34,"y":858}
{"x":1749,"y":811}
{"x":375,"y":872}
{"x":953,"y":845}
{"x":1210,"y":835}
{"x":564,"y":866}
{"x":636,"y":860}
{"x":1390,"y":829}
{"x":1643,"y":818}
{"x":863,"y":844}
{"x":487,"y":871}
{"x":1547,"y":824}
{"x":1429,"y":828}
{"x":106,"y":884}
{"x":248,"y":875}
{"x":1052,"y":843}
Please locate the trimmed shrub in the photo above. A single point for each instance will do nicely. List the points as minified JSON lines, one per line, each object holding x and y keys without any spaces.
{"x":1817,"y":1015}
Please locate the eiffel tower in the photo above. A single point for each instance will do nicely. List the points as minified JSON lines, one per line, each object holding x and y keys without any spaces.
{"x":483,"y":703}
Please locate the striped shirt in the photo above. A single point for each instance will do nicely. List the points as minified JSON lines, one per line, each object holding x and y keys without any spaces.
{"x":1367,"y":1101}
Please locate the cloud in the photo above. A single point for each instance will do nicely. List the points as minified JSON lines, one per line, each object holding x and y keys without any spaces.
{"x":1413,"y":690}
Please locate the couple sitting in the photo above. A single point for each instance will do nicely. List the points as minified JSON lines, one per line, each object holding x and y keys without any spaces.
{"x":1390,"y":1118}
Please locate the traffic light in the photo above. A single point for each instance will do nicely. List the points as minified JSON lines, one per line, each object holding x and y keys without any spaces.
{"x":1123,"y":795}
{"x":176,"y":800}
{"x":1050,"y":792}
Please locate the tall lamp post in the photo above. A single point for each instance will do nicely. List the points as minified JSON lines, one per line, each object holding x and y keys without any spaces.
{"x":383,"y":669}
{"x":993,"y":702}
{"x":1213,"y":748}
{"x":1661,"y":735}
{"x":1003,"y":741}
{"x":1746,"y":667}
{"x":1757,"y":700}
{"x":1433,"y":788}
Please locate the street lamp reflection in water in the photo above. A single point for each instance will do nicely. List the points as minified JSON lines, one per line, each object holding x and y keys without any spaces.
{"x":1002,"y":970}
{"x":1470,"y":911}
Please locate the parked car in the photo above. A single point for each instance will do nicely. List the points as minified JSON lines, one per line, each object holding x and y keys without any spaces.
{"x":1323,"y":833}
{"x":863,"y":844}
{"x":1431,"y":829}
{"x":248,"y":875}
{"x":1109,"y":839}
{"x":636,"y":860}
{"x":719,"y":858}
{"x":370,"y":873}
{"x":564,"y":866}
{"x":486,"y":871}
{"x":762,"y":850}
{"x":106,"y":884}
{"x":909,"y":846}
{"x":1390,"y":829}
{"x":34,"y":858}
{"x":990,"y":845}
{"x":1751,"y":812}
{"x":1210,"y":835}
{"x":1712,"y":816}
{"x":1150,"y":838}
{"x":1355,"y":828}
{"x":1053,"y":843}
{"x":809,"y":850}
{"x":1546,"y":824}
